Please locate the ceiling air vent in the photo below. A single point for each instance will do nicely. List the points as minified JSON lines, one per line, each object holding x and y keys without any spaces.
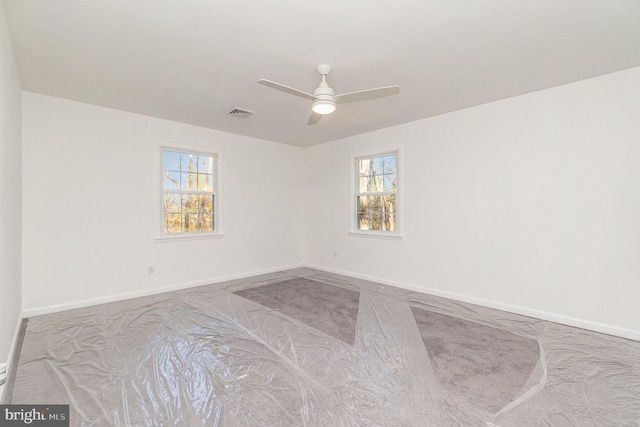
{"x":240,"y":112}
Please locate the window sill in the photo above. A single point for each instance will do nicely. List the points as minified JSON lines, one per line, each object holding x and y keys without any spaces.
{"x":185,"y":236}
{"x":376,"y":235}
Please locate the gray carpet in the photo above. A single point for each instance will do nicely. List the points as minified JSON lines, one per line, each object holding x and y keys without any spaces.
{"x":304,"y":347}
{"x":330,"y":309}
{"x":484,"y":365}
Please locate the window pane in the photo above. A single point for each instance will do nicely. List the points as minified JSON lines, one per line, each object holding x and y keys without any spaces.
{"x":184,"y":181}
{"x":375,"y":223}
{"x":363,"y":221}
{"x":364,"y":182}
{"x":390,"y":164}
{"x":363,"y":167}
{"x":205,"y":164}
{"x":375,"y":203}
{"x":188,"y":162}
{"x":171,"y":180}
{"x":185,"y":203}
{"x":170,"y":161}
{"x":389,"y":203}
{"x":390,"y":222}
{"x":172,"y":223}
{"x":190,"y":203}
{"x":205,"y":182}
{"x":190,"y":222}
{"x":362,"y":203}
{"x":390,"y":182}
{"x":206,"y":222}
{"x":377,"y":165}
{"x":375,"y":184}
{"x":172,"y":203}
{"x":188,"y":181}
{"x":206,"y":203}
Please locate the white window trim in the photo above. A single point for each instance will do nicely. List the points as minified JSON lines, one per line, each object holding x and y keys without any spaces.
{"x":190,"y":236}
{"x":217,"y":218}
{"x":355,"y":182}
{"x":391,"y":235}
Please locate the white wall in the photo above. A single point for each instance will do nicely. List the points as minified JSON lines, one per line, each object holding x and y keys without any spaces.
{"x":10,"y":195}
{"x":530,"y":203}
{"x":91,"y":205}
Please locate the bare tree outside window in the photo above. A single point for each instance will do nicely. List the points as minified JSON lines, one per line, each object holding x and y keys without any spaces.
{"x":188,"y":185}
{"x":376,"y":194}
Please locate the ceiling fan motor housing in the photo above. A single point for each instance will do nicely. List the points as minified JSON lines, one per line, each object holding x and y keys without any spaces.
{"x":323,"y":102}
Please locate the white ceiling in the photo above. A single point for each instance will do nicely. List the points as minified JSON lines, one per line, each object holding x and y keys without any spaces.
{"x":192,"y":61}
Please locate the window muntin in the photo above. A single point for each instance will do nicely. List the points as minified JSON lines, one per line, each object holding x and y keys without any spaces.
{"x":376,"y":193}
{"x":188,"y":191}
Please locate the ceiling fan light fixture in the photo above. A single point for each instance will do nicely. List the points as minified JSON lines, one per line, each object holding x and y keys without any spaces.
{"x":323,"y":106}
{"x":323,"y":100}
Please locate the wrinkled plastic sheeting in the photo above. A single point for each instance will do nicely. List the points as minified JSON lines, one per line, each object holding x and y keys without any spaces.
{"x":206,"y":356}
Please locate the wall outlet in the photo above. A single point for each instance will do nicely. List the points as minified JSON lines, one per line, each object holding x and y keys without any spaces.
{"x":151,"y":269}
{"x":335,"y":254}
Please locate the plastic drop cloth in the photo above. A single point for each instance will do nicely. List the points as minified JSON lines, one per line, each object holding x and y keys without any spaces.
{"x":206,"y":356}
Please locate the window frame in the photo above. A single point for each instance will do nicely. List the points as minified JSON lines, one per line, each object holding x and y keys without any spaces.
{"x":217,"y":211}
{"x":355,"y":193}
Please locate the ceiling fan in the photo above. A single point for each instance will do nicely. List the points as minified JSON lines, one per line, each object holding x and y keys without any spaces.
{"x":323,"y":99}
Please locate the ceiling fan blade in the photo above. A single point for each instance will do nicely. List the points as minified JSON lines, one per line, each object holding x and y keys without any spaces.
{"x":286,"y":89}
{"x":364,"y":95}
{"x":314,"y":118}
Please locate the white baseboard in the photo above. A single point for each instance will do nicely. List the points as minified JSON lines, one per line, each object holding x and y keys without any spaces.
{"x":538,"y":314}
{"x":143,"y":293}
{"x":12,"y":348}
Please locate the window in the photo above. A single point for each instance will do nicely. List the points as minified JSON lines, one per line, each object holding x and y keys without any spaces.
{"x":376,"y":193}
{"x":189,"y":182}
